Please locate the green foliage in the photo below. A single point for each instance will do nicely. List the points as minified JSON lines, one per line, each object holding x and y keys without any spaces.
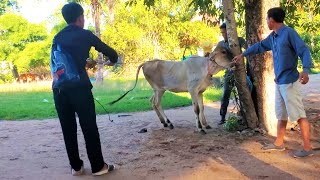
{"x":140,"y":33}
{"x":22,"y":43}
{"x":5,"y":73}
{"x":296,"y":10}
{"x":305,"y":18}
{"x":142,"y":30}
{"x":231,"y":124}
{"x":34,"y":55}
{"x":314,"y":45}
{"x":4,"y":4}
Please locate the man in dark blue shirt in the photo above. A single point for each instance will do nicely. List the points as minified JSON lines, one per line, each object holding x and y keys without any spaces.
{"x":286,"y":46}
{"x":72,"y":97}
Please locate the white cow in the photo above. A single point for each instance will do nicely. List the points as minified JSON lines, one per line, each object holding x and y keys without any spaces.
{"x":192,"y":75}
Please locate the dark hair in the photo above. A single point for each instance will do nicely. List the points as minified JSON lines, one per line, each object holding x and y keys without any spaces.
{"x":276,"y":14}
{"x":223,"y":26}
{"x":71,"y":12}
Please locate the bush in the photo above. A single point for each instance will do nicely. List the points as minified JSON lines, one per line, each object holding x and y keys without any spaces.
{"x":231,"y":124}
{"x":315,"y":50}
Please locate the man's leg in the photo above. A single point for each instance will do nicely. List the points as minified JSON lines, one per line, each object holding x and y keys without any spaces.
{"x":227,"y":87}
{"x":281,"y":130}
{"x":295,"y":108}
{"x":69,"y":128}
{"x":282,"y":116}
{"x":305,"y":133}
{"x":85,"y":109}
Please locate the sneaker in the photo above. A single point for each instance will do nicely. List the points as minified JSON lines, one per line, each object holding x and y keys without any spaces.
{"x":106,"y":168}
{"x":77,"y":173}
{"x":271,"y":147}
{"x":302,"y":153}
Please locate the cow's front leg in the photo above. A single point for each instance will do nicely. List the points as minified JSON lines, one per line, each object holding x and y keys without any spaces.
{"x":201,"y":112}
{"x":196,"y":109}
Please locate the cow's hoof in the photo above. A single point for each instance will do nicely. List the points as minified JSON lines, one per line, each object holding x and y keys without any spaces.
{"x":171,"y":126}
{"x":202,"y":132}
{"x":208,"y":127}
{"x":165,"y":125}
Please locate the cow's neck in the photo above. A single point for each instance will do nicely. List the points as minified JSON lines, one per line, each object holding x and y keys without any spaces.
{"x":213,"y":68}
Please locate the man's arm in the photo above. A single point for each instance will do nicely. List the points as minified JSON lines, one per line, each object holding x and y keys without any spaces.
{"x":257,"y":48}
{"x":304,"y":53}
{"x":104,"y":49}
{"x":301,"y":49}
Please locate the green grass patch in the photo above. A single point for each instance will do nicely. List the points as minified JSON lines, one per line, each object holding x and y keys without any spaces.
{"x":35,"y":100}
{"x":315,"y":70}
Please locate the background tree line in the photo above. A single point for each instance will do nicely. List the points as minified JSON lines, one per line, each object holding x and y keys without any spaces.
{"x":139,"y":30}
{"x":137,"y":33}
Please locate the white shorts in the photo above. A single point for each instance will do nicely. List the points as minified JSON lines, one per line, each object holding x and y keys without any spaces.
{"x":289,"y":102}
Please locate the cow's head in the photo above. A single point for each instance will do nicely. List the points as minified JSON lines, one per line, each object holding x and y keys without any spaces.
{"x":222,"y":57}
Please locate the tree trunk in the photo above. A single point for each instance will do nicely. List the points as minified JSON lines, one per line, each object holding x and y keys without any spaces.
{"x":14,"y":71}
{"x":240,"y":72}
{"x":111,"y":4}
{"x":96,"y":13}
{"x":261,"y":65}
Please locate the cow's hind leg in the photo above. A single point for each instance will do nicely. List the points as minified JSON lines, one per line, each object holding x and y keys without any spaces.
{"x":196,"y":109}
{"x":156,"y":105}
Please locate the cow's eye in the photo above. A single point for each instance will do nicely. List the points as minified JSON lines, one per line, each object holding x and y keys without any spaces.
{"x":224,"y":52}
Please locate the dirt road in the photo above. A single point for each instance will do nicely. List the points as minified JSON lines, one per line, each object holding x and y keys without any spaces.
{"x":34,"y":150}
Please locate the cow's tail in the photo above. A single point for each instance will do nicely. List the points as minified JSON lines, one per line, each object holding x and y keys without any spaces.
{"x":138,"y":70}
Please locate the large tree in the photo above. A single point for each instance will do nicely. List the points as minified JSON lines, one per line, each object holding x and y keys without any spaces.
{"x":240,"y":72}
{"x":18,"y":35}
{"x":261,"y":66}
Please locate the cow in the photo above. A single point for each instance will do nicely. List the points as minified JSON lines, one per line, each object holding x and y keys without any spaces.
{"x":91,"y":64}
{"x":28,"y":77}
{"x":193,"y":75}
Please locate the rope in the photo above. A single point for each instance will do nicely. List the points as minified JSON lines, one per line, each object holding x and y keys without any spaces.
{"x":104,"y":109}
{"x":237,"y":102}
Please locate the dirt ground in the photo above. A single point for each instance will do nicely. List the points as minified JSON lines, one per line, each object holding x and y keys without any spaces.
{"x":34,"y":150}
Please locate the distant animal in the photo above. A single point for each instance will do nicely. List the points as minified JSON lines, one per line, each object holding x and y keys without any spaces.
{"x":28,"y":77}
{"x":193,"y":75}
{"x":91,"y":64}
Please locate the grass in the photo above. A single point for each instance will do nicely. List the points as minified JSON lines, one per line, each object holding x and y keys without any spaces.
{"x":35,"y":100}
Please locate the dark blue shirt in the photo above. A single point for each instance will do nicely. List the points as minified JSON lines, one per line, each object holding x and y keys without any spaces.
{"x":78,"y":42}
{"x":286,"y":46}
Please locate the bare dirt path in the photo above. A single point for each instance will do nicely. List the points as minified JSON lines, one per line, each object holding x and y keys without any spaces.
{"x":34,"y":150}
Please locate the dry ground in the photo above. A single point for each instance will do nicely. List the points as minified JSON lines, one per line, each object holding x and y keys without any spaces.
{"x":34,"y":150}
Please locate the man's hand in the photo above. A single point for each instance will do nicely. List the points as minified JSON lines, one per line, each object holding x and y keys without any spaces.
{"x":303,"y":78}
{"x":109,"y":63}
{"x":237,"y":58}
